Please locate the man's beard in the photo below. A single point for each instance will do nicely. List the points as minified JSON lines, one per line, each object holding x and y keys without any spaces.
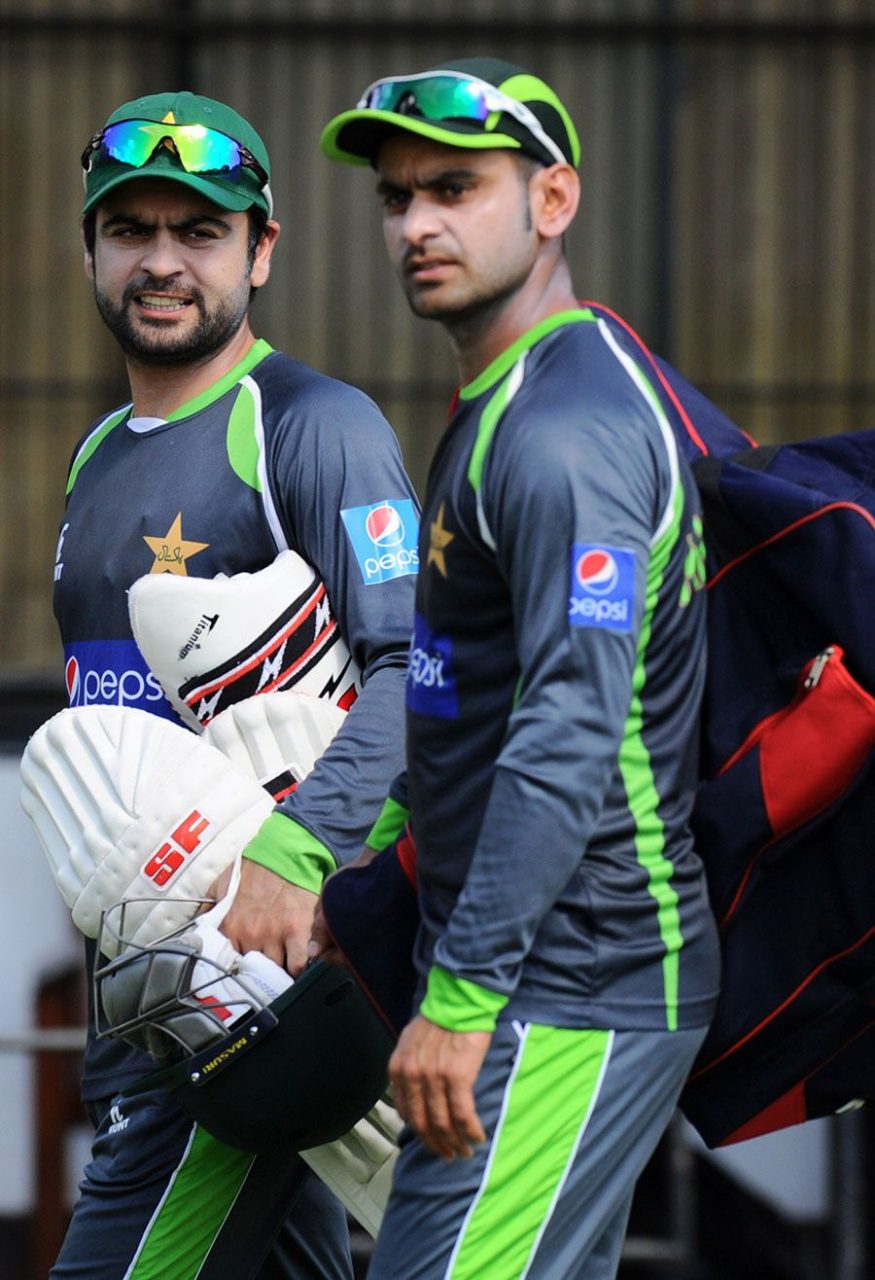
{"x":478,"y":306}
{"x":212,"y":332}
{"x":483,"y":298}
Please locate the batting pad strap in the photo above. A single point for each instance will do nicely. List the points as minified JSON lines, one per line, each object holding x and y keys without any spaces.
{"x":459,"y":1005}
{"x":388,"y":826}
{"x":284,"y":846}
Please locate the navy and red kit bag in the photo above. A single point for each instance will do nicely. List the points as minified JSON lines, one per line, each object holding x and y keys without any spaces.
{"x":785,"y":810}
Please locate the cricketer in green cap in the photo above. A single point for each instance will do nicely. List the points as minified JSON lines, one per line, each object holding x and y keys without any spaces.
{"x":480,"y":103}
{"x":538,"y":992}
{"x":197,"y":141}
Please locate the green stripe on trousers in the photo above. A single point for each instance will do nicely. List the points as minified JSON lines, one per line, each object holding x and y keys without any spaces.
{"x":190,"y":1215}
{"x":549,"y":1098}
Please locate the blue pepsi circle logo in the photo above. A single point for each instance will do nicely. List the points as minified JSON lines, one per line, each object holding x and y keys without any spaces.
{"x":384,"y":526}
{"x":597,"y":572}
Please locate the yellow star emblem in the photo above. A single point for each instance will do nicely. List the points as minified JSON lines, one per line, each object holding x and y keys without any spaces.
{"x":170,"y":118}
{"x":172,"y":551}
{"x":439,"y":539}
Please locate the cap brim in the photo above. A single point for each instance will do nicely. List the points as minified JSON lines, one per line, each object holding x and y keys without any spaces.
{"x":356,"y":136}
{"x":233,"y":201}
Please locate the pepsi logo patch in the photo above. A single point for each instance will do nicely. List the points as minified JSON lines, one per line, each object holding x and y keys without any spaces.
{"x":384,"y":537}
{"x":602,"y":587}
{"x":112,"y":672}
{"x":431,"y":685}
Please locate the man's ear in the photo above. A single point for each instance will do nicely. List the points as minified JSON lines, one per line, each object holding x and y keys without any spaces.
{"x":555,"y":193}
{"x":88,"y":258}
{"x":263,"y":253}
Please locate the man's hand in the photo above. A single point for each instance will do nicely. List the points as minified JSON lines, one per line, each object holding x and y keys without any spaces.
{"x":268,"y":914}
{"x":321,"y":945}
{"x":433,"y":1073}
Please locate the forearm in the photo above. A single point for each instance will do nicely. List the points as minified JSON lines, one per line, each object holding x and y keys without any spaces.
{"x":337,"y":805}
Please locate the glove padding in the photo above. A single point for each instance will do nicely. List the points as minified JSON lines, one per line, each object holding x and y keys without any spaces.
{"x":275,"y":738}
{"x":127,"y":805}
{"x":211,"y":642}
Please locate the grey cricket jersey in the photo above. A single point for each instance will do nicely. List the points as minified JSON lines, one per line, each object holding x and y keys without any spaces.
{"x":553,"y":698}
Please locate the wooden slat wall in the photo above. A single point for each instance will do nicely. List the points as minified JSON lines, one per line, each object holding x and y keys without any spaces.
{"x":727,"y":212}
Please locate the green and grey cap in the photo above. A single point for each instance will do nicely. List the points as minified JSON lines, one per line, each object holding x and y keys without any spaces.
{"x":480,"y":103}
{"x":197,"y":141}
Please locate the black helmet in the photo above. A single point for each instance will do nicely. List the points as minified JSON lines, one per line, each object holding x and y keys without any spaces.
{"x":302,"y":1069}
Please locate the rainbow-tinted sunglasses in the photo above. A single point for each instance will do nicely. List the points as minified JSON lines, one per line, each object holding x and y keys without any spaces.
{"x":199,"y":148}
{"x":449,"y":95}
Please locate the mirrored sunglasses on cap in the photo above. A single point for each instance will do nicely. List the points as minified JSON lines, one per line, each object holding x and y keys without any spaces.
{"x":199,"y":148}
{"x":449,"y":95}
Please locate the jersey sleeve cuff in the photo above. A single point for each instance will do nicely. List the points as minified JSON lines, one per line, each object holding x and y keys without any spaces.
{"x":459,"y":1005}
{"x":284,"y":846}
{"x":388,"y":826}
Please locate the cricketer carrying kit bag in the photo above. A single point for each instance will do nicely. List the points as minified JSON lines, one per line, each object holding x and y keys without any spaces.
{"x":786,"y":802}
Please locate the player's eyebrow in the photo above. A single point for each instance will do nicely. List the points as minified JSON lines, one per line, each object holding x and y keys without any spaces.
{"x":387,"y":188}
{"x":187,"y":224}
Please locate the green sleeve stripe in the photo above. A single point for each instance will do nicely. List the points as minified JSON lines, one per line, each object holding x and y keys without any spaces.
{"x":284,"y":846}
{"x":388,"y":826}
{"x":635,"y":765}
{"x":646,"y":389}
{"x":242,"y":444}
{"x":503,"y":363}
{"x":641,"y":790}
{"x":98,"y":435}
{"x":459,"y":1005}
{"x":254,"y":356}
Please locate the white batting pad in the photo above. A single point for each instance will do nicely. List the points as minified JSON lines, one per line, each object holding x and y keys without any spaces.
{"x":212,"y":642}
{"x":128,"y":805}
{"x":275,"y":739}
{"x":358,"y":1167}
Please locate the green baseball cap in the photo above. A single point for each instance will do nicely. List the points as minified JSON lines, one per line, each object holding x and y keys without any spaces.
{"x":197,"y":141}
{"x":474,"y":102}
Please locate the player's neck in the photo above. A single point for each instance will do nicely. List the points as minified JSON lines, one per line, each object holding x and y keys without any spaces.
{"x":158,"y":390}
{"x":480,"y":339}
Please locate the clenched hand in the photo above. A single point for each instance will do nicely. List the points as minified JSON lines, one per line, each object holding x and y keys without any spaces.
{"x":270,"y":915}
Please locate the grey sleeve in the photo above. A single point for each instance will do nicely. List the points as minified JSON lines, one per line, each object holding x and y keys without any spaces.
{"x":341,"y":457}
{"x":547,"y":493}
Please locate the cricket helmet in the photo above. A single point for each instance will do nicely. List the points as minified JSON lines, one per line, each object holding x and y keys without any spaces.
{"x":253,"y":1068}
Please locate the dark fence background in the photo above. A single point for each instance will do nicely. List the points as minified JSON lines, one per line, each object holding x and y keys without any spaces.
{"x":728,"y":200}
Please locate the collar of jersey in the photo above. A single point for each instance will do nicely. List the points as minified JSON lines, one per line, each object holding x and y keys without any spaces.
{"x":508,"y":358}
{"x":254,"y":356}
